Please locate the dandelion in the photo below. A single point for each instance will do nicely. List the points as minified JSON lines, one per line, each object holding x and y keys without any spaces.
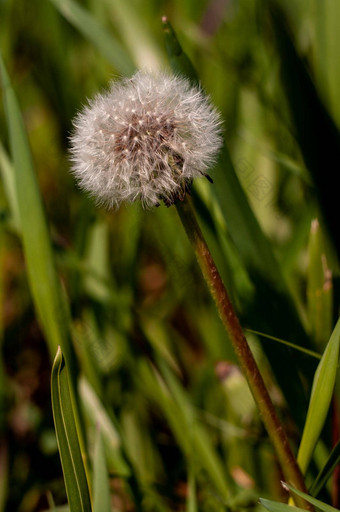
{"x":146,"y":139}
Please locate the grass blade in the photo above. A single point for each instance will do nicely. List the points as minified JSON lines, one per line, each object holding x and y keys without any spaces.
{"x":136,"y":36}
{"x":101,"y":487}
{"x":275,"y":506}
{"x":67,"y":438}
{"x":322,"y":390}
{"x":191,"y":503}
{"x":179,"y":61}
{"x":91,"y":29}
{"x":8,"y":180}
{"x":325,"y":473}
{"x":310,"y":353}
{"x":48,"y":297}
{"x":43,"y":279}
{"x":317,"y":503}
{"x":197,"y":438}
{"x":316,"y":131}
{"x":97,"y":415}
{"x":319,"y":288}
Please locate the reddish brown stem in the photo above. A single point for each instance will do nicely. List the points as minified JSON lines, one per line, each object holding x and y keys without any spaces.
{"x":244,"y":355}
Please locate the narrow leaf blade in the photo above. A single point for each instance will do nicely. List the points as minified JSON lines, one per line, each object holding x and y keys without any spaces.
{"x":317,"y":503}
{"x":67,"y":438}
{"x":325,"y":473}
{"x":43,"y":279}
{"x":179,"y":61}
{"x":315,"y":129}
{"x":97,"y":415}
{"x":92,"y":30}
{"x":275,"y":506}
{"x":101,"y":487}
{"x":191,"y":502}
{"x":319,"y":287}
{"x":323,"y":386}
{"x":7,"y":175}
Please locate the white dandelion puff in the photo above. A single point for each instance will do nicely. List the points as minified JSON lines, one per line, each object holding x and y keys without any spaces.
{"x":146,"y":139}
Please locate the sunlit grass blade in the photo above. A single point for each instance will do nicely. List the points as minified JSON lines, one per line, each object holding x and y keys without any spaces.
{"x":97,"y":416}
{"x":258,"y":258}
{"x":275,"y":506}
{"x":97,"y":282}
{"x":321,"y":395}
{"x":326,"y":22}
{"x":319,"y":288}
{"x":303,"y":350}
{"x":101,"y":486}
{"x":47,"y":293}
{"x":136,"y":35}
{"x":67,"y":438}
{"x":191,"y":503}
{"x":91,"y":29}
{"x":326,"y":472}
{"x":315,"y":129}
{"x":189,"y":432}
{"x":179,"y":61}
{"x":313,"y":501}
{"x":45,"y":286}
{"x":8,"y":180}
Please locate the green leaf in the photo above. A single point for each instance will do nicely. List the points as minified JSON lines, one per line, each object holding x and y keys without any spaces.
{"x":190,"y":433}
{"x":97,"y":282}
{"x":327,"y":65}
{"x":309,"y":353}
{"x":275,"y":506}
{"x":322,"y":390}
{"x":8,"y":179}
{"x":179,"y":61}
{"x":92,"y":30}
{"x":43,"y":279}
{"x":191,"y":502}
{"x":97,"y":415}
{"x":101,"y":486}
{"x":47,"y":294}
{"x":325,"y":473}
{"x":317,"y":503}
{"x":67,"y":438}
{"x":137,"y":36}
{"x":315,"y":129}
{"x":319,"y":288}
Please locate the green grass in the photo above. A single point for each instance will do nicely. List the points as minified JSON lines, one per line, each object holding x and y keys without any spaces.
{"x":163,"y":417}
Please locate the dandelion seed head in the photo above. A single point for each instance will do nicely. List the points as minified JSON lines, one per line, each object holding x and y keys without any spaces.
{"x":146,"y":139}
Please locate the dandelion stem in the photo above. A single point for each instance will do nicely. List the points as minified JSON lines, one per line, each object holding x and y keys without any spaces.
{"x":244,"y":355}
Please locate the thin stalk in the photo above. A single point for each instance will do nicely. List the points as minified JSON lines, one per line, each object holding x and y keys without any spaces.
{"x":244,"y":355}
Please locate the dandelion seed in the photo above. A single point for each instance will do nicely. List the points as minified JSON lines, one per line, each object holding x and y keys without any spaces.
{"x":151,"y":152}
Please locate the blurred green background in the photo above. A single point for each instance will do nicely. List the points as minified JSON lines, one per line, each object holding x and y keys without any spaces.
{"x":153,"y":364}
